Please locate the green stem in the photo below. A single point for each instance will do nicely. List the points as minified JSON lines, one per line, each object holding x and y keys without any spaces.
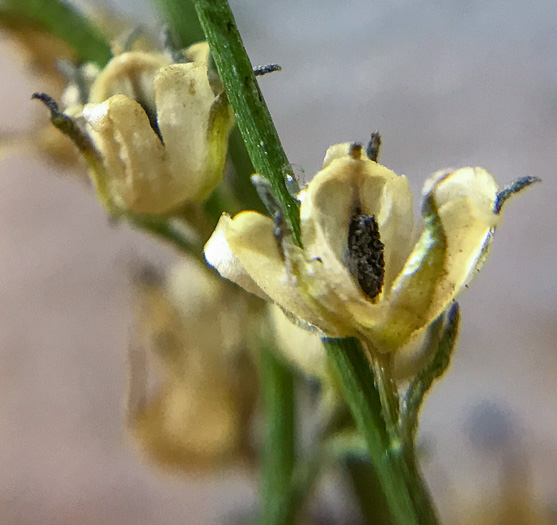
{"x":243,"y":169}
{"x":278,"y":446}
{"x":252,"y":115}
{"x":405,"y":491}
{"x":168,"y":231}
{"x":181,"y":20}
{"x":64,"y":22}
{"x":381,"y":365}
{"x":367,"y":490}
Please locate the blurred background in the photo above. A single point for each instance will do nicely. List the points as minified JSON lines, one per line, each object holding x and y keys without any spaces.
{"x":448,"y":83}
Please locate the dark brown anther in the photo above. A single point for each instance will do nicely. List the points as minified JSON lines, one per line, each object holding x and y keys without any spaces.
{"x":365,"y":254}
{"x":355,"y":150}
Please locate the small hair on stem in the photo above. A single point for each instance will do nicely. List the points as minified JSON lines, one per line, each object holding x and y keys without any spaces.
{"x":263,"y":70}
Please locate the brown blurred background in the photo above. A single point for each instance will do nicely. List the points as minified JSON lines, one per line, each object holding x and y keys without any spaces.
{"x":448,"y":84}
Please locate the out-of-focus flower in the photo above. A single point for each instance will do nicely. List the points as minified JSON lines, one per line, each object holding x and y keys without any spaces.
{"x":301,"y":347}
{"x":41,"y":53}
{"x":361,"y":272}
{"x":192,"y":327}
{"x":49,"y":58}
{"x":153,"y":132}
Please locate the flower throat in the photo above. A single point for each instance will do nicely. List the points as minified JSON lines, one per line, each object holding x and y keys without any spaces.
{"x":365,"y":253}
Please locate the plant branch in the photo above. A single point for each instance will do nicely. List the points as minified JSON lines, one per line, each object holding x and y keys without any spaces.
{"x":252,"y":115}
{"x":405,"y":491}
{"x":277,"y":495}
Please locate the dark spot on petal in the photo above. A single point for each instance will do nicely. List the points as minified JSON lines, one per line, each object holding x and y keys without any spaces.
{"x":141,"y":98}
{"x":152,"y":116}
{"x":364,"y":256}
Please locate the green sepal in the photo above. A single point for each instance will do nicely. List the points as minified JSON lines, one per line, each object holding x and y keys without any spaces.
{"x":83,"y":142}
{"x":443,"y":334}
{"x":221,"y":120}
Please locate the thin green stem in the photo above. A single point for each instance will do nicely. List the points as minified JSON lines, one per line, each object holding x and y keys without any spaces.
{"x":278,"y":446}
{"x":168,"y":231}
{"x":367,"y":490}
{"x":404,"y":489}
{"x":381,"y":365}
{"x":181,"y":19}
{"x":252,"y":115}
{"x":243,"y":169}
{"x":62,"y":21}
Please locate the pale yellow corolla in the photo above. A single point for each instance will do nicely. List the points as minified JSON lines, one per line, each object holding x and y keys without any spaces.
{"x":158,"y":131}
{"x":192,"y":388}
{"x":364,"y":270}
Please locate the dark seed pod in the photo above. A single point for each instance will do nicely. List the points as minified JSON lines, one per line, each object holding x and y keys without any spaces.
{"x":365,"y":254}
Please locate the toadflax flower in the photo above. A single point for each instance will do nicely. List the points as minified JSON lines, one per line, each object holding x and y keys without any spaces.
{"x":153,"y":132}
{"x":361,"y":271}
{"x":193,"y":329}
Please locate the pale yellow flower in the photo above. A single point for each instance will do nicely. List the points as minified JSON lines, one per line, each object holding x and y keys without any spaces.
{"x":361,"y":271}
{"x":192,"y":335}
{"x":153,"y":132}
{"x":40,"y":52}
{"x":300,"y":347}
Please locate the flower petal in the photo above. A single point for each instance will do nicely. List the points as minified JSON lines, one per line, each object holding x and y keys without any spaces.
{"x":475,"y":183}
{"x":134,"y":159}
{"x":395,"y":221}
{"x":458,"y":224}
{"x":129,"y":74}
{"x":185,"y":115}
{"x":252,"y":244}
{"x":198,"y":52}
{"x":303,"y":348}
{"x":220,"y":256}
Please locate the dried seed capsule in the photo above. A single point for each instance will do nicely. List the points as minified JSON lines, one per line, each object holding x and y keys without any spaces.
{"x":365,"y":254}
